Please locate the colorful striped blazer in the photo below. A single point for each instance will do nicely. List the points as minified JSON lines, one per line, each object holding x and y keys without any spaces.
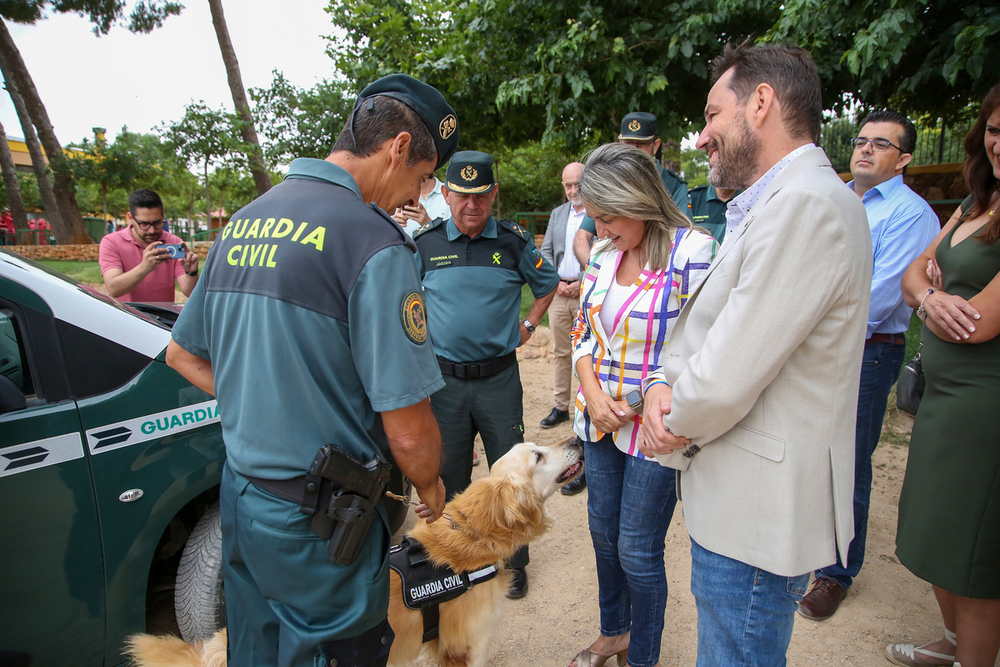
{"x":641,"y":326}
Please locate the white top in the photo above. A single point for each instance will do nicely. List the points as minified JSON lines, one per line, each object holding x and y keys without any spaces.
{"x":569,"y":268}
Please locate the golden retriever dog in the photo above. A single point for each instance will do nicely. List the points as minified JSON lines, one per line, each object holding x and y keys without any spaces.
{"x":482,"y":526}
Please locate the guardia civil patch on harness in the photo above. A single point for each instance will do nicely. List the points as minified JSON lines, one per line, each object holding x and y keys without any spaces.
{"x":414,"y":319}
{"x":427,"y":584}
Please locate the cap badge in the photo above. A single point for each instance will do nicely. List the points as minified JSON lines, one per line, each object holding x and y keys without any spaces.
{"x":448,"y":126}
{"x":469,"y":173}
{"x":634,"y":126}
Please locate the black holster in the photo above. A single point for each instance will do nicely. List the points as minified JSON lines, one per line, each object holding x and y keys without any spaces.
{"x":356,"y":489}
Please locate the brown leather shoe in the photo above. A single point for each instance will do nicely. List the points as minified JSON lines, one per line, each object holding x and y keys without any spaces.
{"x":822,"y":600}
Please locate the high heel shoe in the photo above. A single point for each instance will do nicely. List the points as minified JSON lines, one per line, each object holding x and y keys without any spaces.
{"x":587,"y":658}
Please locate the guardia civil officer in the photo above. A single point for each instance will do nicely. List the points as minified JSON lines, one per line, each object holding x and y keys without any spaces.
{"x":638,"y":129}
{"x":308,"y":324}
{"x":473,"y":267}
{"x":708,"y":208}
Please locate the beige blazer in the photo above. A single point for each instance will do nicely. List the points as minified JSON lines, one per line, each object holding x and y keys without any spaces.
{"x":765,"y":362}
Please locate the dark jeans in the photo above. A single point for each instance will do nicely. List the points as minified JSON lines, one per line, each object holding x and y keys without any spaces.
{"x":489,"y":406}
{"x":880,"y":368}
{"x":630,"y":502}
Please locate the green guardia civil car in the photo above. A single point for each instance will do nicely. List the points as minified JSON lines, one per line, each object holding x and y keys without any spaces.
{"x":110,"y":464}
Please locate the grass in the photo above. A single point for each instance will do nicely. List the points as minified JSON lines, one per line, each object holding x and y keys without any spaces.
{"x":84,"y":272}
{"x":527,"y":300}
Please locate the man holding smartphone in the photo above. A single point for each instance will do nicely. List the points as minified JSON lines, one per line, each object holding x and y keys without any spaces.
{"x":138,"y":262}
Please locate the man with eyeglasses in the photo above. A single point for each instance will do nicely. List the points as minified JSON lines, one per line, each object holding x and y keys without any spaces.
{"x":133,"y":262}
{"x":902,"y":224}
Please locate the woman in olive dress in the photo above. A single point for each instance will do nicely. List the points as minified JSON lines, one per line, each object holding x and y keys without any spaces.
{"x":949,"y":508}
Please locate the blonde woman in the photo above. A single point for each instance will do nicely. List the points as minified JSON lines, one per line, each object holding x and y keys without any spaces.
{"x":648,"y":260}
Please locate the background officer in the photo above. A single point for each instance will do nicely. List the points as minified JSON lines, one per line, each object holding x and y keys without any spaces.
{"x":708,"y":209}
{"x":638,"y":129}
{"x":308,"y":324}
{"x":473,"y":267}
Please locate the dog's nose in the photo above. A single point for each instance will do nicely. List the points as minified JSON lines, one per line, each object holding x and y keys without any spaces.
{"x":575,"y":443}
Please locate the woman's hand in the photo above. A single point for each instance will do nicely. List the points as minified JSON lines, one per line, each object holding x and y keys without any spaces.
{"x":606,"y":414}
{"x":934,"y":274}
{"x":949,"y":315}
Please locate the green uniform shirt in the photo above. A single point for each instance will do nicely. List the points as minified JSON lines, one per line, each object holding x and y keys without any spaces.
{"x":708,"y":211}
{"x":310,"y":309}
{"x":473,"y":286}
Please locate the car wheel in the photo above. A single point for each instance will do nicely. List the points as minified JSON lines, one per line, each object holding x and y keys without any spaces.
{"x":199,"y":599}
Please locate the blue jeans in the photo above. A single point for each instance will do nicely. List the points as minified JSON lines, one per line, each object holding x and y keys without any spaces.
{"x":630,"y":502}
{"x":880,"y":367}
{"x":745,"y":614}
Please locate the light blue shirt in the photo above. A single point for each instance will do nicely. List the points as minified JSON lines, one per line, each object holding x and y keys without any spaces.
{"x":902,"y":226}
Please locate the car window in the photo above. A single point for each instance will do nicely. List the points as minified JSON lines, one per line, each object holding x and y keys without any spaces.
{"x":13,"y":361}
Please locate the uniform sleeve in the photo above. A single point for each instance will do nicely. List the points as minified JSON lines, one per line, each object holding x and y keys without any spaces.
{"x":588,"y":225}
{"x":108,"y":256}
{"x":387,"y":319}
{"x":682,"y":199}
{"x":190,"y":330}
{"x":536,"y":271}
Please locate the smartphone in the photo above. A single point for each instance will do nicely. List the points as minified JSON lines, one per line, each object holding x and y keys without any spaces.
{"x":174,"y":250}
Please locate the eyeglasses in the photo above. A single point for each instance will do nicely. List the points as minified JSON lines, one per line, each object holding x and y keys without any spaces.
{"x":152,"y":223}
{"x":877,"y":144}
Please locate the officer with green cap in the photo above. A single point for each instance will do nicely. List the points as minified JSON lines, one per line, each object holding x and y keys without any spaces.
{"x":638,"y":129}
{"x":308,"y":324}
{"x":473,"y":267}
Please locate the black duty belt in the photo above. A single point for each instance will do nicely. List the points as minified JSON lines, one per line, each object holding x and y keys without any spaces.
{"x":295,"y":489}
{"x":477,"y":369}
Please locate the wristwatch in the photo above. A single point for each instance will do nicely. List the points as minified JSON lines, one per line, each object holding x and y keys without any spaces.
{"x":528,"y":325}
{"x":192,"y":273}
{"x":634,"y":399}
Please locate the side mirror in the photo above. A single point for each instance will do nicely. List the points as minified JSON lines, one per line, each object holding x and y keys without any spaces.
{"x":11,"y":398}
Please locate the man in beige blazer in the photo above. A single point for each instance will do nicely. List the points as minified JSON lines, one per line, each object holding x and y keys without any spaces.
{"x":755,"y":402}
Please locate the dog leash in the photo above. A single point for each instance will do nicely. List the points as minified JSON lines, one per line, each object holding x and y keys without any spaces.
{"x":406,"y":501}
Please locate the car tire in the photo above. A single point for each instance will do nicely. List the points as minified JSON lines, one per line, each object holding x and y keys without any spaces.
{"x":199,"y":599}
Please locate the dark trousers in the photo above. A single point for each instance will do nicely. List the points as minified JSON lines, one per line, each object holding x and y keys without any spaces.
{"x":489,"y":406}
{"x":880,"y":368}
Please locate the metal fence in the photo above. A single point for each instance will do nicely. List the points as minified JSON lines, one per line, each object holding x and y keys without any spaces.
{"x":936,"y":143}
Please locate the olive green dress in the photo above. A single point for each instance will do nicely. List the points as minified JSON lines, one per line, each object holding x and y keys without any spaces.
{"x":949,"y":508}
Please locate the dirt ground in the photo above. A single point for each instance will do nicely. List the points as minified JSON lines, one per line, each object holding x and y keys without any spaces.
{"x":559,"y":616}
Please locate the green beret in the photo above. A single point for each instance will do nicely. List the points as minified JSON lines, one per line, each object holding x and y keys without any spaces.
{"x":470,"y":172}
{"x":638,"y":126}
{"x":427,"y":102}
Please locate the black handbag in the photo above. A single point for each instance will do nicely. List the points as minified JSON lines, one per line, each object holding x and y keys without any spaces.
{"x":910,"y":387}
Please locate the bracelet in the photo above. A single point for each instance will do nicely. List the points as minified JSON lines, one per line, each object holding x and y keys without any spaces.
{"x":921,"y":313}
{"x":655,"y":382}
{"x":192,"y":273}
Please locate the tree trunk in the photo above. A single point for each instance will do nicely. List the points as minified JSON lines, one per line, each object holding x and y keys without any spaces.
{"x":10,"y":181}
{"x":69,"y":228}
{"x":261,"y":179}
{"x":34,"y":148}
{"x":208,"y":198}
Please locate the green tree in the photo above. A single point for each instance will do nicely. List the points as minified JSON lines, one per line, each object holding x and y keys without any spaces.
{"x":299,"y":122}
{"x":146,"y":15}
{"x":917,"y":56}
{"x":203,"y":136}
{"x":254,"y":156}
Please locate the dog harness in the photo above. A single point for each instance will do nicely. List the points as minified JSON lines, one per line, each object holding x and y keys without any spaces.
{"x":425,"y":585}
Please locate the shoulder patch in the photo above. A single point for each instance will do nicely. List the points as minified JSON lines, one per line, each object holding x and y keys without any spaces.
{"x":429,"y":226}
{"x":514,"y":227}
{"x":413,"y":317}
{"x":538,"y":258}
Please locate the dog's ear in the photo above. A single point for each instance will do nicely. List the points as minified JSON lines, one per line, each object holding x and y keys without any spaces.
{"x":514,"y":506}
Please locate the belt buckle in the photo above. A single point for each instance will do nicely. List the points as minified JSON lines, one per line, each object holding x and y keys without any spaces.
{"x":471,"y":371}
